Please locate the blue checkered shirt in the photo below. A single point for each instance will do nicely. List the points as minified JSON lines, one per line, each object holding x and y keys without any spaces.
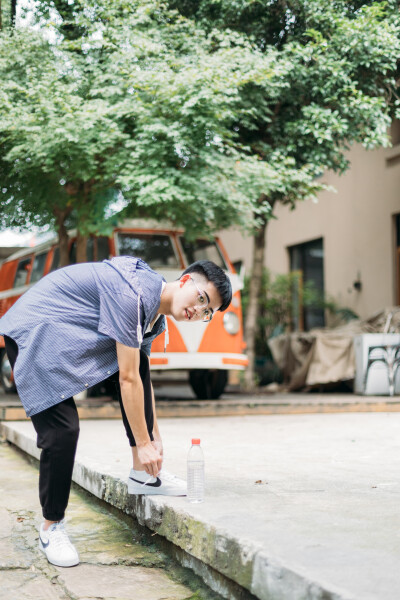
{"x":66,"y":327}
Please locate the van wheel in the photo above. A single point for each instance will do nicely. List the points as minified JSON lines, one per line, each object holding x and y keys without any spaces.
{"x":208,"y":384}
{"x":7,"y":380}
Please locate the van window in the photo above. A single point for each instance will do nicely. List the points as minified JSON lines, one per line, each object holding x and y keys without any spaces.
{"x":96,"y":250}
{"x":72,"y":254}
{"x":38,"y":267}
{"x":103,"y":251}
{"x":202,"y":250}
{"x":155,"y":249}
{"x":22,"y":272}
{"x":90,"y":251}
{"x":56,"y":259}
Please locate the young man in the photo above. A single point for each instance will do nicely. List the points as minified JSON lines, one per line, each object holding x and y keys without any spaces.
{"x":84,"y":324}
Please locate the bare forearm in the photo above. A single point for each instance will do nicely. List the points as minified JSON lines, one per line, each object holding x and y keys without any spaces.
{"x":133,"y":401}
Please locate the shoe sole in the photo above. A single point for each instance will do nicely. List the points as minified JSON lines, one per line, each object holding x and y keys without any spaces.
{"x":143,"y":491}
{"x":57,"y":564}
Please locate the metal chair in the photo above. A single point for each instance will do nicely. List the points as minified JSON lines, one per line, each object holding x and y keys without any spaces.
{"x":389,"y":356}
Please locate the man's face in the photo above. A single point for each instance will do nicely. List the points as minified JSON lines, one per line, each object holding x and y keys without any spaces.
{"x":188,"y":303}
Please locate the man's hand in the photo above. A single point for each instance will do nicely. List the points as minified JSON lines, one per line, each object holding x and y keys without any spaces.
{"x":150,"y":458}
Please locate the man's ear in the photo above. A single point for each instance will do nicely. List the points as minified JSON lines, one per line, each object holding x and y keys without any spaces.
{"x":184,"y":279}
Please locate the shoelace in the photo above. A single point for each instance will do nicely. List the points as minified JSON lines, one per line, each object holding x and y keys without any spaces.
{"x":59,"y":536}
{"x":147,"y":480}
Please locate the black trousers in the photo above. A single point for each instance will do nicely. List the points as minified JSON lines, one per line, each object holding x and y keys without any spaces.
{"x":57,"y":431}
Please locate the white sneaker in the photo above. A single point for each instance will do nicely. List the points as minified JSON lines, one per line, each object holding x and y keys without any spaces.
{"x":166,"y":484}
{"x":56,"y":545}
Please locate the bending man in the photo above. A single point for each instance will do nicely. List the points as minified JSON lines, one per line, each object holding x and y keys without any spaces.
{"x":85,"y":324}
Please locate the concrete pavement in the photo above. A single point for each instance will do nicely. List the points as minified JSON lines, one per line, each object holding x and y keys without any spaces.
{"x":179,"y":401}
{"x":298,"y":507}
{"x":118,"y":559}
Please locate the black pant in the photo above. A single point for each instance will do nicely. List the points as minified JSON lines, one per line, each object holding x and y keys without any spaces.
{"x":57,"y":431}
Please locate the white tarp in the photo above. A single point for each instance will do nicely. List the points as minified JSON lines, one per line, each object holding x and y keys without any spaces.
{"x":326,"y":356}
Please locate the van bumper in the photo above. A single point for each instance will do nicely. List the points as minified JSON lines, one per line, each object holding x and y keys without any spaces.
{"x":198,"y":360}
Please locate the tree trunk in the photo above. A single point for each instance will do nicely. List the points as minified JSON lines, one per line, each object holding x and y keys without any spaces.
{"x":84,"y":217}
{"x":61,"y":214}
{"x":252,"y":312}
{"x":81,"y":246}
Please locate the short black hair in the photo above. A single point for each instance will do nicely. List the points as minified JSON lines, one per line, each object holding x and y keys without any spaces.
{"x":215,"y":275}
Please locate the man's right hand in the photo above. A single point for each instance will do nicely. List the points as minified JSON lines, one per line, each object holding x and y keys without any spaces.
{"x":150,"y":458}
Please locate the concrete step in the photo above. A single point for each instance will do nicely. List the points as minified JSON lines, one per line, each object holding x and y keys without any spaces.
{"x":230,"y":405}
{"x":298,"y":507}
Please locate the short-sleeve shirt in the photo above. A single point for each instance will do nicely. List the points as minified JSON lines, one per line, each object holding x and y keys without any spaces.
{"x":66,"y":327}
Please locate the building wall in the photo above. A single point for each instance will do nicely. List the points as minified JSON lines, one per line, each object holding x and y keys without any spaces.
{"x":356,"y":224}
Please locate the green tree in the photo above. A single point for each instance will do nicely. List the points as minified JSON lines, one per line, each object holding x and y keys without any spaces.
{"x":133,"y":100}
{"x":340,"y":89}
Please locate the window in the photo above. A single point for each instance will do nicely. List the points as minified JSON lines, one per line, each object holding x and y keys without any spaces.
{"x":72,"y":254}
{"x":55,"y":263}
{"x":395,"y":132}
{"x":308,"y":259}
{"x":202,"y":250}
{"x":90,"y":250}
{"x":22,"y":272}
{"x":96,"y":250}
{"x":155,"y":249}
{"x":38,"y":267}
{"x":397,"y":256}
{"x":103,"y":251}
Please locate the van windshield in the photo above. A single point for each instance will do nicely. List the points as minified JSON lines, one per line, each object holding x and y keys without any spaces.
{"x":38,"y":267}
{"x":155,"y":249}
{"x":22,"y":272}
{"x":202,"y":250}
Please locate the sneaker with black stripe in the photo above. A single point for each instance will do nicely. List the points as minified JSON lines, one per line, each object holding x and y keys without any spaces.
{"x":56,"y":545}
{"x":165,"y":484}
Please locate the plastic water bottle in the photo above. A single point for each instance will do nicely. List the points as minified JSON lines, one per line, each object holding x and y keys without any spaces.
{"x":195,"y":472}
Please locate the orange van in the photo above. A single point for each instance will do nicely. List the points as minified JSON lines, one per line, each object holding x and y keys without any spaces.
{"x":207,"y":351}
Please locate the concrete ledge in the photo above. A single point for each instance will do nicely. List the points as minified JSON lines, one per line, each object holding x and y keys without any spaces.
{"x":297,"y":507}
{"x":216,"y":550}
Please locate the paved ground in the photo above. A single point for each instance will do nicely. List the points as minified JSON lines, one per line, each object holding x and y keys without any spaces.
{"x":298,"y":507}
{"x":178,"y":401}
{"x":118,"y":559}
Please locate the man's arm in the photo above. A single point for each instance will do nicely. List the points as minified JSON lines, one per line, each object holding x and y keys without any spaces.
{"x":133,"y":401}
{"x":156,"y":432}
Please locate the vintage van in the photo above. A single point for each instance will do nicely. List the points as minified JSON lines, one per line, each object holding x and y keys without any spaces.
{"x":207,"y":351}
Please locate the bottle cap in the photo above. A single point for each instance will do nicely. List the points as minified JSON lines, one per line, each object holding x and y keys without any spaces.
{"x":195,"y":441}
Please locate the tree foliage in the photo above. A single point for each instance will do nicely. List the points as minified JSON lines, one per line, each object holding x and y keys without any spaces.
{"x":130,"y":99}
{"x":341,"y":88}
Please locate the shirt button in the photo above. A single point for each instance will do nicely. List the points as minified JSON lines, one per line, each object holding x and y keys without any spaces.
{"x":86,"y":385}
{"x":108,"y":372}
{"x":63,"y":396}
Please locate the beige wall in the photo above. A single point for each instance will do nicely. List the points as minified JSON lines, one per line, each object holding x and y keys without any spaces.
{"x":356,"y":224}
